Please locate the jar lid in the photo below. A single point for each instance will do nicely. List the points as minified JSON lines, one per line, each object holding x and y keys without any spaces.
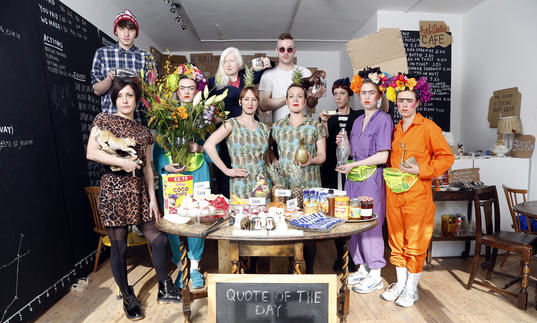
{"x":342,"y":198}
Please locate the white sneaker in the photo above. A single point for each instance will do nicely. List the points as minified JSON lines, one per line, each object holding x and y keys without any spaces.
{"x":392,"y":292}
{"x":356,"y":276}
{"x":407,"y":298}
{"x":368,"y":284}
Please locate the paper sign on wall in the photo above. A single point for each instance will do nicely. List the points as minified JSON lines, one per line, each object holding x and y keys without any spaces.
{"x":384,"y":49}
{"x":434,"y":33}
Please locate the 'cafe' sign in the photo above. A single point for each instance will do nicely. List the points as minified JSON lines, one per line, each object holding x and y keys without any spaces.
{"x":434,"y":33}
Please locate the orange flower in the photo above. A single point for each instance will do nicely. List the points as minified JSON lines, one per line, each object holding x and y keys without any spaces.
{"x":411,"y":83}
{"x":182,"y":112}
{"x":356,"y":83}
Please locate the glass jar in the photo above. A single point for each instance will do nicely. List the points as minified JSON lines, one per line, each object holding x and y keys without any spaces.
{"x":366,"y":205}
{"x":341,"y":207}
{"x":354,"y":209}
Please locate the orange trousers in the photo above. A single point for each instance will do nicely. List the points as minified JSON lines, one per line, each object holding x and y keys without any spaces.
{"x":410,"y":217}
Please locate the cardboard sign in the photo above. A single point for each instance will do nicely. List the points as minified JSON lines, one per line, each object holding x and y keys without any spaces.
{"x":505,"y":102}
{"x":282,"y":193}
{"x":384,"y":49}
{"x":523,"y":146}
{"x":292,"y":204}
{"x":257,"y":201}
{"x":272,"y":298}
{"x":434,"y":33}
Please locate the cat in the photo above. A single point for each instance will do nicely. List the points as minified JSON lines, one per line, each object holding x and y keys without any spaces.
{"x":111,"y":144}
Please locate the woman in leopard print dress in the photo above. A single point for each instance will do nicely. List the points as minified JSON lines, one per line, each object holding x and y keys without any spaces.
{"x":128,"y":196}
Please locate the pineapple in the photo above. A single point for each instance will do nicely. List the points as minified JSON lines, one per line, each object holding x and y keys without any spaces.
{"x":273,"y":172}
{"x":248,"y":77}
{"x":297,"y":76}
{"x":296,"y":180}
{"x":301,"y":154}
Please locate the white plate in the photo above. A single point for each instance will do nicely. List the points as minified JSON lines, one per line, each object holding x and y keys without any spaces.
{"x":177,"y":219}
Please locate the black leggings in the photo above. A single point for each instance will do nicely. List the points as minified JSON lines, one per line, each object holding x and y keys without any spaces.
{"x":118,"y":241}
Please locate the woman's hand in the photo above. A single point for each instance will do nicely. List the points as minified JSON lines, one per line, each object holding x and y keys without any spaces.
{"x":236,"y":172}
{"x":340,"y":137}
{"x":412,"y":169}
{"x":174,"y":168}
{"x":195,"y":148}
{"x":266,"y":62}
{"x":324,"y":116}
{"x":130,"y":164}
{"x":153,"y":209}
{"x":309,"y":161}
{"x":344,"y":169}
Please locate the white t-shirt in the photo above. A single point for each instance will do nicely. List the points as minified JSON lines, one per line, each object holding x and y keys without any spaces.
{"x":276,"y":81}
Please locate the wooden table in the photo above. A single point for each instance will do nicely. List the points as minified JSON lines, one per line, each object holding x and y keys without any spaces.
{"x":467,"y":237}
{"x":528,"y":208}
{"x":262,"y":246}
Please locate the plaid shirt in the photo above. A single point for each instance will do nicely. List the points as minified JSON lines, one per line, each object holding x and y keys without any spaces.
{"x":114,"y":56}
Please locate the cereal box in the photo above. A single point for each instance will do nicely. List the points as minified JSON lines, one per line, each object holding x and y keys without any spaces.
{"x":175,"y":187}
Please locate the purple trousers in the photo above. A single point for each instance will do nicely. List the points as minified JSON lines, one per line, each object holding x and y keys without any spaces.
{"x":368,"y":247}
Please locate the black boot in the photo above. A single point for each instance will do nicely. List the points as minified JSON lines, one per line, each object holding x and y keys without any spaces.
{"x":131,"y":306}
{"x":168,"y":292}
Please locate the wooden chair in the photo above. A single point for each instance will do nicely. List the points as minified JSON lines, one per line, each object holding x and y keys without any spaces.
{"x":513,"y":197}
{"x":486,"y":199}
{"x":133,"y":239}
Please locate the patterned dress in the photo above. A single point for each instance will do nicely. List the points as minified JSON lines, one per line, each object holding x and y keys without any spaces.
{"x":287,"y":137}
{"x":123,"y":199}
{"x":247,"y":150}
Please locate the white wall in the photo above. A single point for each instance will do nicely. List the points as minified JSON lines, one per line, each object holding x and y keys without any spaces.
{"x":410,"y":21}
{"x":328,"y":61}
{"x":499,"y":52}
{"x":102,"y":14}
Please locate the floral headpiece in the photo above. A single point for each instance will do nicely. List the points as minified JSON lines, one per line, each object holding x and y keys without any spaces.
{"x":375,"y":75}
{"x":189,"y":71}
{"x":402,"y":82}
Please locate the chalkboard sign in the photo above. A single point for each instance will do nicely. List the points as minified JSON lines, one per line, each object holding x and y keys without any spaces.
{"x":435,"y":65}
{"x":272,"y":298}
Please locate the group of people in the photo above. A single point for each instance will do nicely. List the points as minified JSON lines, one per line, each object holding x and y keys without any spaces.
{"x":242,"y":146}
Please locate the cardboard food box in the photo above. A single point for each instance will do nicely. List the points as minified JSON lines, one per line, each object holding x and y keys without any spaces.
{"x":175,"y":187}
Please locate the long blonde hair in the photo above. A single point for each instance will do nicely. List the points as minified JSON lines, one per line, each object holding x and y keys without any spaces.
{"x":221,"y":78}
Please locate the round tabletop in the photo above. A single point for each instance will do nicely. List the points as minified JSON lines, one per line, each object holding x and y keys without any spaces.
{"x":528,"y":208}
{"x":226,"y":231}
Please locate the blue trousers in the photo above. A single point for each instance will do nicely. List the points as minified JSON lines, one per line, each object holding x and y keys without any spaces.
{"x":195,"y":248}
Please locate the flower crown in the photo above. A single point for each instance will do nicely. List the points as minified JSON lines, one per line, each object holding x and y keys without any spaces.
{"x":375,"y":75}
{"x":402,"y":82}
{"x":189,"y":71}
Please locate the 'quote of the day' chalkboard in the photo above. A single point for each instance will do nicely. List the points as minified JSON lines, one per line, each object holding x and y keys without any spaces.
{"x":272,"y":298}
{"x":435,"y":64}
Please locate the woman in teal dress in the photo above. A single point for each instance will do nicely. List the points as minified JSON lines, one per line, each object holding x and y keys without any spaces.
{"x":188,"y":87}
{"x":247,"y":142}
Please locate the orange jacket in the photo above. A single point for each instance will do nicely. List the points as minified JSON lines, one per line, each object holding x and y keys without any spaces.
{"x":423,"y":140}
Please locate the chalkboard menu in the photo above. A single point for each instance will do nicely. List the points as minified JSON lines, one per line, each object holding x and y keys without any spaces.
{"x":435,"y":65}
{"x":272,"y":298}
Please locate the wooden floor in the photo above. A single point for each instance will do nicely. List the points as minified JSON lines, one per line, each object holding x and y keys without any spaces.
{"x":442,"y":295}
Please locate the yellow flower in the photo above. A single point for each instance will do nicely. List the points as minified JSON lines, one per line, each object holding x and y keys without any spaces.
{"x":400,"y":85}
{"x":182,"y":112}
{"x":411,"y":83}
{"x":390,"y":94}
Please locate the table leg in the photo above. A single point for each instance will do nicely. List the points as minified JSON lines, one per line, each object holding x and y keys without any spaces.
{"x":298,"y":259}
{"x":343,"y":297}
{"x":234,"y":257}
{"x":185,"y":271}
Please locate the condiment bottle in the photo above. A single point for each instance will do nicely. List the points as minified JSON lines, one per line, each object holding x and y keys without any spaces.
{"x":341,"y":207}
{"x":354,"y":209}
{"x":331,"y":199}
{"x":366,"y":205}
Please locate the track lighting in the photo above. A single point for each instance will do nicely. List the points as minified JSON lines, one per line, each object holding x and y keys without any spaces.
{"x":183,"y":26}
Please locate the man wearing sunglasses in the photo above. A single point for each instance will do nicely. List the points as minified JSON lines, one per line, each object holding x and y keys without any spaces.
{"x":274,"y":83}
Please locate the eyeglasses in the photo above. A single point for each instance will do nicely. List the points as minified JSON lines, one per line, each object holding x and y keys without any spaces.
{"x":289,"y":49}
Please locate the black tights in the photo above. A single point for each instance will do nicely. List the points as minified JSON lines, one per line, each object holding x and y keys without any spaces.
{"x":118,"y":241}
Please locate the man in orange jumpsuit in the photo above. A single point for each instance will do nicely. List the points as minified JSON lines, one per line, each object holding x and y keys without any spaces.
{"x":410,"y":214}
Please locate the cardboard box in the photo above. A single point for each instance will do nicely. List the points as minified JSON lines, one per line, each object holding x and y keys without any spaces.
{"x":175,"y":187}
{"x":384,"y":49}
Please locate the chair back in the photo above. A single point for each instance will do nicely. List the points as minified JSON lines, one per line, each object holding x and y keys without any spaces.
{"x":93,"y":196}
{"x":515,"y":196}
{"x":487,"y":211}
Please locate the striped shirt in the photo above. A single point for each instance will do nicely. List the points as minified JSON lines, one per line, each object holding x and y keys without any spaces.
{"x":114,"y":56}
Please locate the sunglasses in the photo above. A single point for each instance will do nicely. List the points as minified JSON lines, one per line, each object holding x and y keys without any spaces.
{"x":289,"y":49}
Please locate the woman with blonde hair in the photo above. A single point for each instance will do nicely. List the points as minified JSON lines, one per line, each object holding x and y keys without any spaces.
{"x":230,"y":76}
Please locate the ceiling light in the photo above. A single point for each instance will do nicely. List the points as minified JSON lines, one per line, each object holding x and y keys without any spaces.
{"x":172,"y":9}
{"x":178,"y":18}
{"x":183,"y":26}
{"x":166,"y":1}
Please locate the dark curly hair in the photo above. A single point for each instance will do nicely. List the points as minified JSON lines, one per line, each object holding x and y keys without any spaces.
{"x":343,"y":83}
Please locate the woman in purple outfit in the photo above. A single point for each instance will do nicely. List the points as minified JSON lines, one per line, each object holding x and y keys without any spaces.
{"x":370,"y":143}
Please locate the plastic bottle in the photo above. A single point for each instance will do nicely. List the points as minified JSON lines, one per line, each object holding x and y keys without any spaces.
{"x":343,"y":149}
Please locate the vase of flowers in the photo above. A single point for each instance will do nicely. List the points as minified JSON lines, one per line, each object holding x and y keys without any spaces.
{"x":176,"y":125}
